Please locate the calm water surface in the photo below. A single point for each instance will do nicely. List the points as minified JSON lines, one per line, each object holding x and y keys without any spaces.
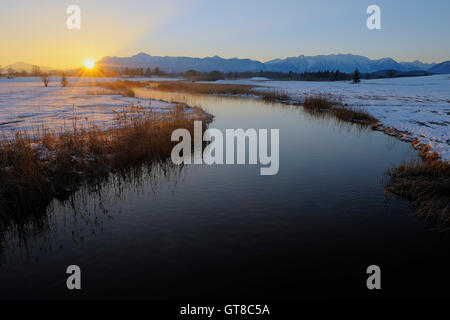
{"x":225,"y":231}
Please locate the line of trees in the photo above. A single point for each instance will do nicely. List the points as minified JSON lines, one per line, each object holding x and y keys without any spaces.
{"x":326,"y":75}
{"x":194,"y":75}
{"x":35,"y":72}
{"x":141,"y":72}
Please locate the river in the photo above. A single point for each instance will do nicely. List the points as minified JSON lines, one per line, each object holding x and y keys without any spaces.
{"x":225,"y":231}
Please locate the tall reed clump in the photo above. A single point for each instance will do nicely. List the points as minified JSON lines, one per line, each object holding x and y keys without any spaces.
{"x":425,"y":183}
{"x":36,"y":169}
{"x":202,"y":88}
{"x":321,"y":104}
{"x":123,"y":87}
{"x":219,"y":89}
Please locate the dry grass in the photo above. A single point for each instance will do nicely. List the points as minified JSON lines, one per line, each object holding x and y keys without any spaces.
{"x":202,"y":88}
{"x":426,"y":184}
{"x":219,"y":89}
{"x":352,"y":115}
{"x":322,"y":104}
{"x":123,"y":87}
{"x":318,"y":103}
{"x":274,"y":96}
{"x":34,"y":170}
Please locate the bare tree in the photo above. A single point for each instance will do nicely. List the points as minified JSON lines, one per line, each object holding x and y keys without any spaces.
{"x":10,"y":72}
{"x":35,"y":71}
{"x":64,"y":81}
{"x":45,"y":79}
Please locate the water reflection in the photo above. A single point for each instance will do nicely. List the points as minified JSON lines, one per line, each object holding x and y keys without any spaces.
{"x":83,"y":213}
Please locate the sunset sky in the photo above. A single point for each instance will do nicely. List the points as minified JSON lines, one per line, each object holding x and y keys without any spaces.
{"x":36,"y":32}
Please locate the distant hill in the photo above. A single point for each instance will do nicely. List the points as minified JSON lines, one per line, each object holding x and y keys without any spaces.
{"x":417,"y":65}
{"x":443,"y":67}
{"x":342,"y":62}
{"x":23,"y":66}
{"x":182,"y":64}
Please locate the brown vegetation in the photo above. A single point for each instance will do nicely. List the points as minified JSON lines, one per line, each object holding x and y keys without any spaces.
{"x":426,"y":184}
{"x":37,"y":169}
{"x":218,"y":89}
{"x":123,"y":87}
{"x":320,"y":104}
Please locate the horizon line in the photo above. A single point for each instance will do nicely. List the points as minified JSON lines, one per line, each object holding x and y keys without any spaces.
{"x":225,"y":58}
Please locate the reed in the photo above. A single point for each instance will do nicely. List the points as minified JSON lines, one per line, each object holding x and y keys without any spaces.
{"x":220,"y":89}
{"x":35,"y":169}
{"x":321,"y":104}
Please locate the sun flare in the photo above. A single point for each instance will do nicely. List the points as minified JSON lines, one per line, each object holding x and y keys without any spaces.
{"x":89,"y":63}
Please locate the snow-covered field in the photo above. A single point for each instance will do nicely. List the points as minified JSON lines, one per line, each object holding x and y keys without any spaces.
{"x":25,"y":104}
{"x":418,"y":106}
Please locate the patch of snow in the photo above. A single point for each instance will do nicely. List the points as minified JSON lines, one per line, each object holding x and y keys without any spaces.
{"x":26,"y":105}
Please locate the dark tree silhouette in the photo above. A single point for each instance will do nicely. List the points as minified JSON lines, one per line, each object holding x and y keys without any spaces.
{"x":356,"y":76}
{"x":45,"y":79}
{"x":35,"y":71}
{"x":64,"y":81}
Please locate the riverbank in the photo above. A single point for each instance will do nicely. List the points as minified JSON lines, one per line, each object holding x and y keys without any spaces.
{"x":56,"y":139}
{"x":43,"y":166}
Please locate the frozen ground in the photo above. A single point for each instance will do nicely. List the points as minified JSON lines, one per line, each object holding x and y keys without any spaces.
{"x":25,"y":104}
{"x":418,"y":106}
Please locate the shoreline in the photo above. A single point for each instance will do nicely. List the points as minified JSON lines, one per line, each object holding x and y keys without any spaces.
{"x":46,"y":164}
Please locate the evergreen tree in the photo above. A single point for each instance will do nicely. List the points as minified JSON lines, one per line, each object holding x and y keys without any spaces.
{"x":356,"y":76}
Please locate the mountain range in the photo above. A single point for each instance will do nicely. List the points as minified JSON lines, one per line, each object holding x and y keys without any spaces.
{"x":443,"y":67}
{"x":342,"y":62}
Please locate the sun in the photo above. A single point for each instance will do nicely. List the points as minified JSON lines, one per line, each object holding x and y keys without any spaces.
{"x":89,"y":63}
